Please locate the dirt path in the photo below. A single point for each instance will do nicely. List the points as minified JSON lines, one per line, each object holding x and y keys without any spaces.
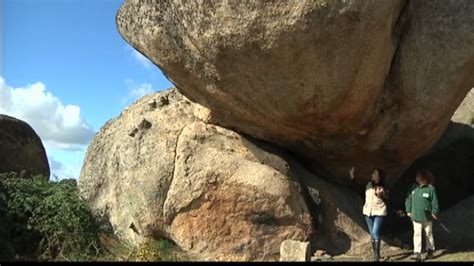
{"x":403,"y":255}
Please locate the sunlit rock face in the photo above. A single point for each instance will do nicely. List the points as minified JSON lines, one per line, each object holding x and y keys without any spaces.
{"x":340,"y":83}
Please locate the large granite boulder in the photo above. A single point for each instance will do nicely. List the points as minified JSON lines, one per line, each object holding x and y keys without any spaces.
{"x":160,"y":170}
{"x":21,"y":149}
{"x":365,"y":83}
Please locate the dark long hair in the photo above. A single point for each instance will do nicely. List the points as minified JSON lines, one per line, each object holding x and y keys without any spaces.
{"x":382,"y":176}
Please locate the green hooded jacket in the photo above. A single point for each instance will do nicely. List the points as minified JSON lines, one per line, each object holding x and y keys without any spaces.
{"x":422,"y":202}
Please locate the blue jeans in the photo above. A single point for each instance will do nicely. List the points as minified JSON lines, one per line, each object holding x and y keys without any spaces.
{"x":375,"y":225}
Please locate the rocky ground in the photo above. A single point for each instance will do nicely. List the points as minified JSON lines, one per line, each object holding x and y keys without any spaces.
{"x":403,"y":255}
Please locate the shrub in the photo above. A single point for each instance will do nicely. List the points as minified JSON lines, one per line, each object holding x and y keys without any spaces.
{"x":45,"y":220}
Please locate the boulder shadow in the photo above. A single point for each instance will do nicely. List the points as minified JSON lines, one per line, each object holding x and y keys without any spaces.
{"x":451,"y":160}
{"x":336,"y":209}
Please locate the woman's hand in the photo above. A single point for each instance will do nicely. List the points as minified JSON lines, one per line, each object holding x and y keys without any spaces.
{"x":409,"y":214}
{"x":434,"y":216}
{"x":351,"y":172}
{"x":378,"y":191}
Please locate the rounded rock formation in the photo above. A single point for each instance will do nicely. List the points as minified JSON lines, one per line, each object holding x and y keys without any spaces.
{"x":159,"y":170}
{"x":366,"y":83}
{"x":21,"y":148}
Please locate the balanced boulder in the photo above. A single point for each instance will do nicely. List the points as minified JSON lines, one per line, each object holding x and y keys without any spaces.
{"x":365,"y":83}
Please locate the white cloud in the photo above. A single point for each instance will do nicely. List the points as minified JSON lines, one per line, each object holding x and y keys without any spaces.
{"x":142,"y":90}
{"x":136,"y":90}
{"x":69,"y":166}
{"x":64,"y":131}
{"x":55,"y":165}
{"x":59,"y":126}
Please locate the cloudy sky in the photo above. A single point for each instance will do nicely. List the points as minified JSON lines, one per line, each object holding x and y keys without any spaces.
{"x":66,"y":71}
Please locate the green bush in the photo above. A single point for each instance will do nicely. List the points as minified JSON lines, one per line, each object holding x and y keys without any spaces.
{"x":41,"y":220}
{"x":48,"y":221}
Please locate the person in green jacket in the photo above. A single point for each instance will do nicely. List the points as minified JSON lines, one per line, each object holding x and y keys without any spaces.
{"x":421,"y":205}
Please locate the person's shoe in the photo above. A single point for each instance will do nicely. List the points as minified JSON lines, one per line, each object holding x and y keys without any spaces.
{"x":416,"y":256}
{"x":429,"y":254}
{"x":377,"y":251}
{"x":373,"y":248}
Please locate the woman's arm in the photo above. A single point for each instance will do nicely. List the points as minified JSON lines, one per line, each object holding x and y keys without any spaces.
{"x":351,"y":172}
{"x":381,"y":192}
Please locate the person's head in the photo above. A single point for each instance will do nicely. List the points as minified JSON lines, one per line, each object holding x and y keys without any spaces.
{"x":424,"y":177}
{"x":378,"y":176}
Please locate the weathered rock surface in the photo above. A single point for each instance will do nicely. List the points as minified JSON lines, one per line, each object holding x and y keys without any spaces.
{"x":21,"y":148}
{"x":291,"y":250}
{"x":459,"y":221}
{"x":337,"y":211}
{"x":159,"y":170}
{"x":451,"y":159}
{"x":371,"y":84}
{"x":465,"y":112}
{"x":453,"y":167}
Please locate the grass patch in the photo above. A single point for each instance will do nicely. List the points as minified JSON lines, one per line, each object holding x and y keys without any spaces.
{"x":149,"y":250}
{"x":458,"y":256}
{"x":155,"y":250}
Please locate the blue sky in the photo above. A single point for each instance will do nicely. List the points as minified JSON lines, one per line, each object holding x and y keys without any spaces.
{"x":66,"y":70}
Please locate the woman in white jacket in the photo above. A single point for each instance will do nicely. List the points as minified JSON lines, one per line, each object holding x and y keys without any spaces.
{"x":375,"y":208}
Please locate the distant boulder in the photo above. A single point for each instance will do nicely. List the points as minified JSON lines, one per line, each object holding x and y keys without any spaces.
{"x":21,"y":149}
